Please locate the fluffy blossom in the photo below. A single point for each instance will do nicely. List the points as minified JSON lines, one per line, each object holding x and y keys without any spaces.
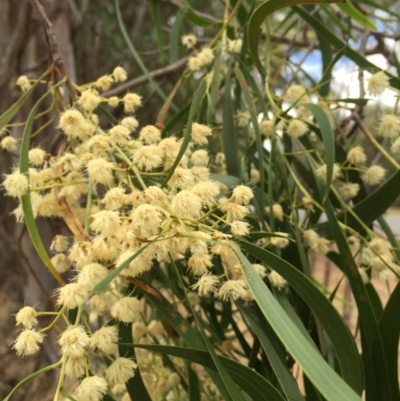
{"x":189,"y":41}
{"x":266,"y":128}
{"x":232,"y":290}
{"x":242,"y":195}
{"x":186,"y":204}
{"x":75,"y":367}
{"x":377,"y":83}
{"x":105,"y":339}
{"x":206,"y":285}
{"x":200,"y":158}
{"x":146,"y":220}
{"x":199,"y":133}
{"x":199,"y":263}
{"x":390,"y":126}
{"x":104,"y":83}
{"x":182,"y":178}
{"x":126,"y":309}
{"x":296,"y":128}
{"x":277,"y":211}
{"x":150,"y":135}
{"x":100,"y":171}
{"x":120,"y":134}
{"x":27,"y":343}
{"x":239,"y":228}
{"x":91,"y":389}
{"x":89,"y":100}
{"x":130,"y":122}
{"x":280,"y":242}
{"x":74,"y":341}
{"x":277,"y":280}
{"x":201,"y":60}
{"x":105,"y":222}
{"x":9,"y":144}
{"x":23,"y":83}
{"x":356,"y":156}
{"x":315,"y":242}
{"x":374,"y":175}
{"x":131,"y":102}
{"x":395,"y":148}
{"x":297,"y":94}
{"x":61,"y":262}
{"x":36,"y":156}
{"x":349,"y":190}
{"x":16,"y":184}
{"x":27,"y":317}
{"x":321,"y":172}
{"x":72,"y":295}
{"x":120,"y":74}
{"x":148,"y":157}
{"x":207,"y":191}
{"x":235,"y":46}
{"x":120,"y":371}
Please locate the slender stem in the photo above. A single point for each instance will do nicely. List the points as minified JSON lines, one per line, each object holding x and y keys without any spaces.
{"x":375,"y":143}
{"x":59,"y":314}
{"x":88,"y":206}
{"x":61,"y":184}
{"x":61,"y":379}
{"x":130,"y":165}
{"x":212,"y":211}
{"x":301,"y":187}
{"x":225,"y":24}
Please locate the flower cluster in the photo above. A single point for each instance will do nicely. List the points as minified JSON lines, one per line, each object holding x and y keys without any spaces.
{"x":131,"y":209}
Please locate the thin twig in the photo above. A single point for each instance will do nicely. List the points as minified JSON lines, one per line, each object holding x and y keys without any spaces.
{"x":57,"y":60}
{"x":375,"y":143}
{"x":160,"y":73}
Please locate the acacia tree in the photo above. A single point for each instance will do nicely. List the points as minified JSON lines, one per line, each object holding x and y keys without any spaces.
{"x":186,"y":211}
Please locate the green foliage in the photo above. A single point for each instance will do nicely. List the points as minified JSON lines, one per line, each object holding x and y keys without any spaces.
{"x":278,"y":139}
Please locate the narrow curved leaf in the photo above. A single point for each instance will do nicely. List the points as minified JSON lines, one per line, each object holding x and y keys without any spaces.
{"x":194,"y":388}
{"x":175,"y":37}
{"x":354,"y":14}
{"x":378,"y":378}
{"x":327,"y":65}
{"x":194,"y":16}
{"x":370,"y":208}
{"x":115,"y":273}
{"x":135,"y":385}
{"x":323,"y":310}
{"x":31,"y":377}
{"x":254,"y":384}
{"x":6,"y":117}
{"x":325,"y":379}
{"x":327,"y":139}
{"x":389,"y":327}
{"x":229,"y":134}
{"x":231,"y":387}
{"x":190,"y":336}
{"x":137,"y":57}
{"x":259,"y":141}
{"x":196,"y":102}
{"x":339,"y":44}
{"x":229,"y":180}
{"x":26,"y":199}
{"x":275,"y":356}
